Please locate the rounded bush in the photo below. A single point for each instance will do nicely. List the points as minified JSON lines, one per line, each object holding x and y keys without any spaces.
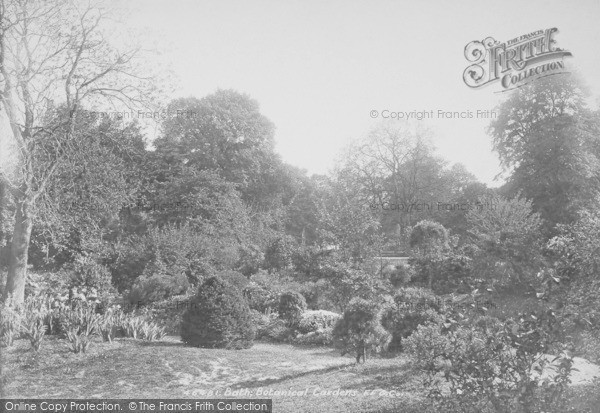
{"x":360,"y":329}
{"x":428,"y":234}
{"x":291,"y":306}
{"x":412,"y":307}
{"x":400,"y":274}
{"x":218,"y":317}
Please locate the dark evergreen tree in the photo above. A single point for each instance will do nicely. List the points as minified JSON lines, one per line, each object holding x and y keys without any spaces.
{"x":218,"y":317}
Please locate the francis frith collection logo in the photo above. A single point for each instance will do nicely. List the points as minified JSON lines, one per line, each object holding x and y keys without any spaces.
{"x":514,"y":62}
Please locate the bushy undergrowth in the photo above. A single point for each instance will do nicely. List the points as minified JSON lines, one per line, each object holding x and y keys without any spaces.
{"x":315,"y":320}
{"x":158,"y":282}
{"x":493,"y":366}
{"x":261,"y":298}
{"x":168,"y":312}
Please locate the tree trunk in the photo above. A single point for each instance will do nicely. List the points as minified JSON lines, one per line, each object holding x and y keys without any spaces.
{"x":19,"y":249}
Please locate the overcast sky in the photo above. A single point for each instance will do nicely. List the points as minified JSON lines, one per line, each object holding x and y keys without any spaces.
{"x":318,"y":68}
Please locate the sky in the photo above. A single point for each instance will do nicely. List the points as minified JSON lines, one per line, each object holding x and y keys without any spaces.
{"x":320,"y":68}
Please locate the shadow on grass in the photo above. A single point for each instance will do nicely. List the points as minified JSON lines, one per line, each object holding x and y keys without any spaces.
{"x":261,"y":383}
{"x":385,"y":377}
{"x":162,"y":343}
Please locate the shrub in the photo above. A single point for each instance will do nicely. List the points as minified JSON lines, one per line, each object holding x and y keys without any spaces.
{"x":152,"y":332}
{"x":81,"y":317}
{"x":132,"y":326}
{"x":400,"y":274}
{"x":156,"y":284}
{"x":345,"y":283}
{"x":493,"y":366}
{"x":35,"y":315}
{"x":315,"y":320}
{"x":260,"y":298}
{"x":218,"y":317}
{"x":277,"y":331}
{"x":128,"y":260}
{"x":169,"y":312}
{"x":10,"y":323}
{"x":109,"y":323}
{"x":412,"y":307}
{"x":279,"y":253}
{"x":590,"y":346}
{"x":87,"y":272}
{"x":34,"y":329}
{"x":320,"y":337}
{"x":80,"y":323}
{"x":429,"y":241}
{"x":291,"y":306}
{"x":235,"y":278}
{"x":428,"y":235}
{"x":359,"y":330}
{"x":79,"y":340}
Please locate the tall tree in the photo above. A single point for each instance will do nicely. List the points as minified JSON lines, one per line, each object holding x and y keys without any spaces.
{"x":549,"y":145}
{"x":52,"y":54}
{"x":224,"y":132}
{"x":396,"y":172}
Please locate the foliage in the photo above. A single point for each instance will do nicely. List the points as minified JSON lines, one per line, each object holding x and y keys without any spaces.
{"x":546,"y":138}
{"x":235,"y":278}
{"x":428,"y":236}
{"x":261,"y":298}
{"x":399,"y":275}
{"x":576,"y":249}
{"x":87,"y":272}
{"x":507,"y":235}
{"x":314,"y":320}
{"x":128,"y":259}
{"x":589,"y":346}
{"x":79,"y":340}
{"x":307,"y":259}
{"x":345,"y":282}
{"x":79,"y":323}
{"x":346,"y":225}
{"x":493,"y":366}
{"x":275,"y":330}
{"x":429,"y":241}
{"x":156,"y":285}
{"x":320,"y":337}
{"x":108,"y":324}
{"x":169,"y":312}
{"x":218,"y":317}
{"x":34,"y":329}
{"x":573,"y":281}
{"x":10,"y":324}
{"x":291,"y":306}
{"x":251,"y":258}
{"x":394,"y":170}
{"x":279,"y":253}
{"x":359,"y":331}
{"x":412,"y":307}
{"x":225,"y":132}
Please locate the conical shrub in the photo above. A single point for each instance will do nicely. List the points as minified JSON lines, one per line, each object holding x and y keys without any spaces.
{"x":218,"y":317}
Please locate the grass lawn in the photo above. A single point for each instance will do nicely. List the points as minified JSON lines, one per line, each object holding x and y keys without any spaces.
{"x":135,"y":369}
